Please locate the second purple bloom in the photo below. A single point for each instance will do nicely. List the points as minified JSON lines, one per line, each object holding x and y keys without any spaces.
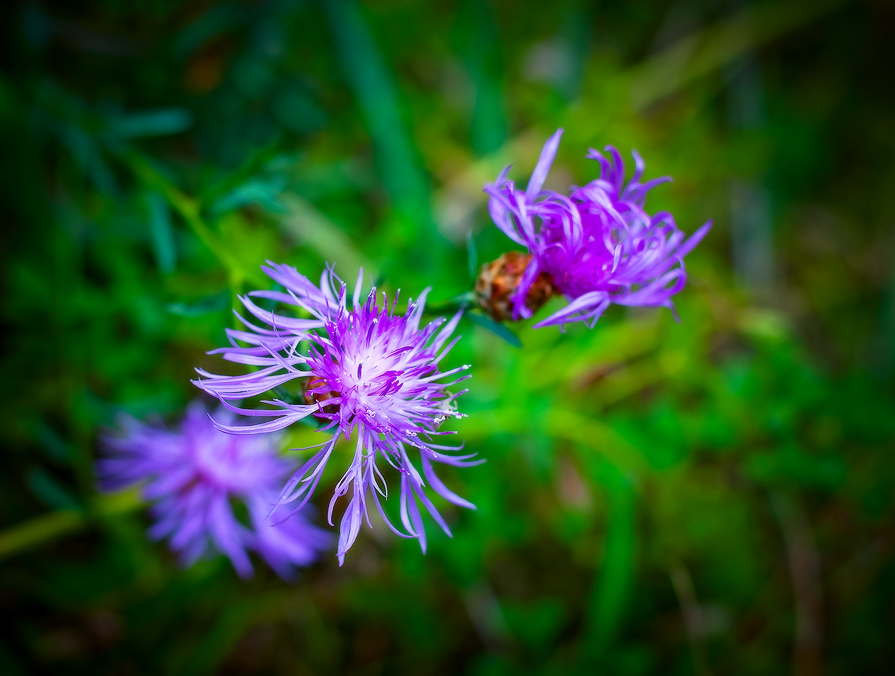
{"x":596,"y":246}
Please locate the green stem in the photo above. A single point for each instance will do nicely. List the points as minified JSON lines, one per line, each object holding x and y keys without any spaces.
{"x":463,"y":301}
{"x":48,"y":527}
{"x":190,"y":210}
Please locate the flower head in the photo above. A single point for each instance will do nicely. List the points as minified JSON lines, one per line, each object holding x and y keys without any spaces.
{"x":194,"y":474}
{"x":598,"y":245}
{"x":369,"y":374}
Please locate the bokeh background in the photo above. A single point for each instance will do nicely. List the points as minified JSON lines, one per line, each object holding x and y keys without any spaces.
{"x":709,"y":497}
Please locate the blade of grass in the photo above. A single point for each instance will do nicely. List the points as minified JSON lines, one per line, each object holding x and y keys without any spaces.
{"x":614,"y":578}
{"x":43,"y":529}
{"x":713,"y":48}
{"x":472,"y":256}
{"x":479,"y":46}
{"x":311,"y":228}
{"x":378,"y":99}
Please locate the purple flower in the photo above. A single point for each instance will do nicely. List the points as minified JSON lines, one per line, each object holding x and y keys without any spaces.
{"x":369,"y":374}
{"x":598,"y":245}
{"x":192,"y":476}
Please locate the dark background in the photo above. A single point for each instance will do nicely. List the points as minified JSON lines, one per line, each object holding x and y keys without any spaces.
{"x":709,"y":497}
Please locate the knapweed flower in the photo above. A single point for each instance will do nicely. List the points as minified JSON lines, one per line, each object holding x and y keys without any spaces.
{"x":596,"y":246}
{"x":194,"y":475}
{"x":368,"y":374}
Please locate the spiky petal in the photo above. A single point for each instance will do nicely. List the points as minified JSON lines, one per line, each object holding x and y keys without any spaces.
{"x":369,"y":374}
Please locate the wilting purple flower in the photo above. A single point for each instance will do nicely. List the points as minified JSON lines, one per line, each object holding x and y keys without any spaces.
{"x":366,"y":372}
{"x":191,"y":476}
{"x":598,"y":245}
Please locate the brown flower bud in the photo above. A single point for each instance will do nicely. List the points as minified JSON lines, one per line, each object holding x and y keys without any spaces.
{"x":498,"y":280}
{"x":312,"y":398}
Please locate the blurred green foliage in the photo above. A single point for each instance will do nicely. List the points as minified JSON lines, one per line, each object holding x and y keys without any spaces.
{"x":709,"y":497}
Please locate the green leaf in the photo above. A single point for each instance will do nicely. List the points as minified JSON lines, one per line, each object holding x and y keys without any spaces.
{"x":204,"y":306}
{"x":55,"y":446}
{"x":50,"y":492}
{"x":264,"y":158}
{"x":162,"y":232}
{"x":498,"y":330}
{"x":160,"y":122}
{"x":83,"y":148}
{"x":264,"y":192}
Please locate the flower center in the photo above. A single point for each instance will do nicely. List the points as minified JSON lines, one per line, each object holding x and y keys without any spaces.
{"x":365,"y":370}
